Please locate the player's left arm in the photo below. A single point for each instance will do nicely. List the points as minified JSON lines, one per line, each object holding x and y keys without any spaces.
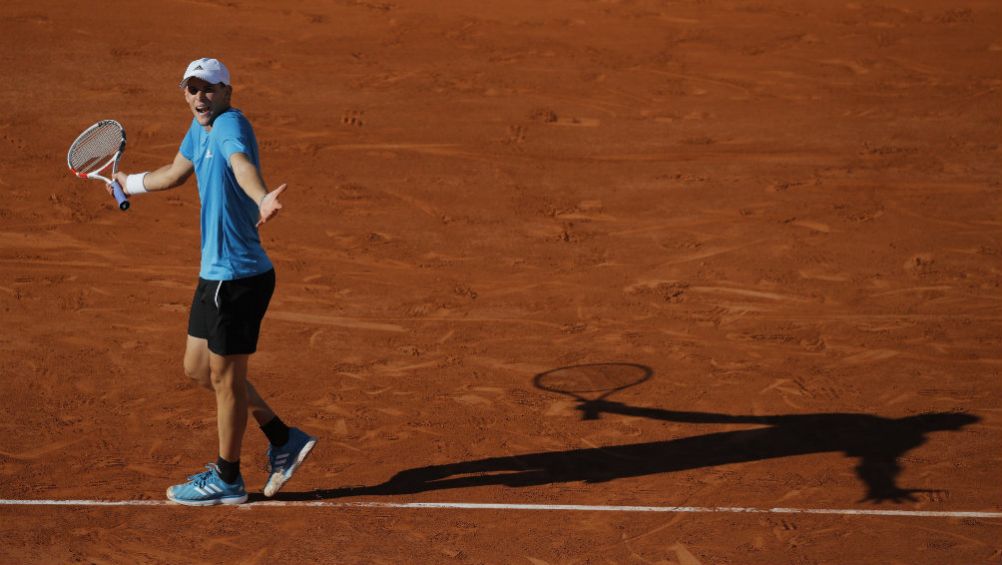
{"x":249,"y":179}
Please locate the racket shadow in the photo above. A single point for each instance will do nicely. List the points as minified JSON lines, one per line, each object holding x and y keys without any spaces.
{"x":876,"y":442}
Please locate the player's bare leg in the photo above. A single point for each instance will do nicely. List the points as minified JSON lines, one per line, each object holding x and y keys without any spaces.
{"x":196,"y":366}
{"x":284,"y":455}
{"x":229,"y":380}
{"x":222,"y":483}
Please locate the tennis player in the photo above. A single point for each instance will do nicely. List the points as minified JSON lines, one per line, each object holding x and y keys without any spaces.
{"x":235,"y":282}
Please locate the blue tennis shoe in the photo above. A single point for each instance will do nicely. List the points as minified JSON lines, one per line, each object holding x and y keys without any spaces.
{"x":208,"y":489}
{"x":283,"y":461}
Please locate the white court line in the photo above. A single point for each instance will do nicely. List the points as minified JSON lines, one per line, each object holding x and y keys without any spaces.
{"x":530,"y":507}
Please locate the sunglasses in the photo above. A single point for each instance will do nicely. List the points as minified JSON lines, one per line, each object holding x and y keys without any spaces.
{"x":208,"y":89}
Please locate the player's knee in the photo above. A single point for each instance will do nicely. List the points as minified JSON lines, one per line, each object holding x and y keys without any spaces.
{"x":198,"y":373}
{"x":220,"y":382}
{"x":217,"y":382}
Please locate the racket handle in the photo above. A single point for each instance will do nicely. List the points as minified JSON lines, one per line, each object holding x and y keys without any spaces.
{"x":123,"y":201}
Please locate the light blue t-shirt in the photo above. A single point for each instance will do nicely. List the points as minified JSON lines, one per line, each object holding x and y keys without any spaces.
{"x":231,"y":248}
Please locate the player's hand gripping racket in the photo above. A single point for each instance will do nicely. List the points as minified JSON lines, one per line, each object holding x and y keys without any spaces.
{"x":98,"y":147}
{"x":591,"y":384}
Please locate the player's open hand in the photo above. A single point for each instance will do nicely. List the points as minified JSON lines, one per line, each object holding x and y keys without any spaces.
{"x":270,"y":205}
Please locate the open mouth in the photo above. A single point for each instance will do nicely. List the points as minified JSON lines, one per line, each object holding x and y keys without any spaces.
{"x":202,"y":110}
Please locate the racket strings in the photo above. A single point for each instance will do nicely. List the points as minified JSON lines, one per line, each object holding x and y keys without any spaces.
{"x":94,"y":149}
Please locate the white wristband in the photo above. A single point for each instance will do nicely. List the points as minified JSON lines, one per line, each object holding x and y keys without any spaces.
{"x":134,"y":184}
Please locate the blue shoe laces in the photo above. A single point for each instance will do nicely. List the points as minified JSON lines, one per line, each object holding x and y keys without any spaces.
{"x":201,"y":478}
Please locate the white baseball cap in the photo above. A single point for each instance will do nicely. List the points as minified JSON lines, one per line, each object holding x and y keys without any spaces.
{"x":212,"y":71}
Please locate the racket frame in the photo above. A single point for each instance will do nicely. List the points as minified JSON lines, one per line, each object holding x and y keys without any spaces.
{"x":116,"y":188}
{"x":589,"y":404}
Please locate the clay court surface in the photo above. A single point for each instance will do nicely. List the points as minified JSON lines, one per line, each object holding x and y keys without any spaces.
{"x":785,"y":214}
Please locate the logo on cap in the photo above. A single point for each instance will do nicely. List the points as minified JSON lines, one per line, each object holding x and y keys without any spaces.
{"x":199,"y":68}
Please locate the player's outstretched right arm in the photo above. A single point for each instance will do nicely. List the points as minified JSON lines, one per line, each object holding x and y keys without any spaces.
{"x":166,"y":177}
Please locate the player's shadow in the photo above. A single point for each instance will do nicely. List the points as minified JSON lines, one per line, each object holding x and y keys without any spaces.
{"x":877,"y":442}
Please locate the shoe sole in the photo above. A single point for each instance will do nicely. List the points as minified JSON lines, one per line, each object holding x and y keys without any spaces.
{"x":211,"y":502}
{"x":277,"y":480}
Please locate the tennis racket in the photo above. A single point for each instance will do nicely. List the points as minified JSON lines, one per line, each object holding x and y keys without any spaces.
{"x":593,"y":383}
{"x":98,"y":147}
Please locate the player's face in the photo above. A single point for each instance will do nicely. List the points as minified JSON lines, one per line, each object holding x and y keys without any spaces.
{"x":206,"y":100}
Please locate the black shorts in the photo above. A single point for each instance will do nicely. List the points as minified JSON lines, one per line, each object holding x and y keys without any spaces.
{"x":228,"y":313}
